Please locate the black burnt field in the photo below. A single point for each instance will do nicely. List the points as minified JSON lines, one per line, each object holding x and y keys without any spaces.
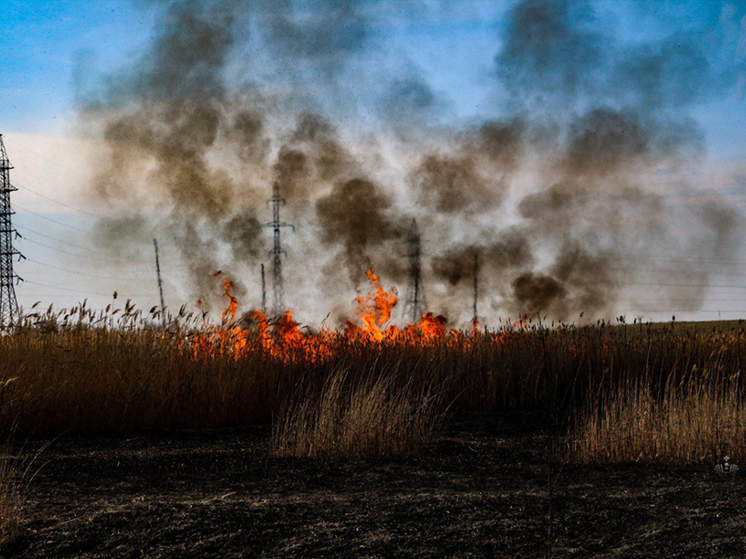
{"x":485,"y":490}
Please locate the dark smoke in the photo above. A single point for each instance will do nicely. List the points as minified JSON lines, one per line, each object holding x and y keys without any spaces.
{"x":473,"y":174}
{"x":243,"y":234}
{"x":537,"y":291}
{"x":311,"y":159}
{"x":552,"y":54}
{"x":509,"y":251}
{"x":354,"y":216}
{"x":165,"y":124}
{"x":559,"y":190}
{"x":625,"y":121}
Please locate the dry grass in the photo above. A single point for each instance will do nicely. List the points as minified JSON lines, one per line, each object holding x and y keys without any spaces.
{"x":620,"y":392}
{"x":11,"y":501}
{"x":361,"y":417}
{"x":701,"y":419}
{"x":109,"y":381}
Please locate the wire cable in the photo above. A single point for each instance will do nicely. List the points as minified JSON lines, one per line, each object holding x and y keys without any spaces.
{"x":24,"y":228}
{"x":52,"y":220}
{"x":83,"y":292}
{"x":84,"y":255}
{"x":122,"y":278}
{"x":56,"y":201}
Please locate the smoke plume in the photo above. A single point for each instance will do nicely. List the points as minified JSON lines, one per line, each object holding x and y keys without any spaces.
{"x":559,"y":189}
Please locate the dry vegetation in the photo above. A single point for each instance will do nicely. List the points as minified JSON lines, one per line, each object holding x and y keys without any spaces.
{"x":370,"y":415}
{"x":11,"y":500}
{"x":700,"y":419}
{"x":617,"y":393}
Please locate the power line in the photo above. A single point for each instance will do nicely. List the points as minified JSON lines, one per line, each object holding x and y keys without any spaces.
{"x":76,"y":255}
{"x":59,"y":240}
{"x":692,"y":312}
{"x":53,"y":220}
{"x":686,"y":285}
{"x":122,"y":278}
{"x":725,"y":274}
{"x":83,"y":292}
{"x":56,"y":201}
{"x":74,"y":245}
{"x":685,"y":261}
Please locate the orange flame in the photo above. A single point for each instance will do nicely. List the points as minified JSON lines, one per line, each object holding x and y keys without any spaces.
{"x":374,"y":308}
{"x":230,"y":311}
{"x":432,"y":327}
{"x":254,"y":336}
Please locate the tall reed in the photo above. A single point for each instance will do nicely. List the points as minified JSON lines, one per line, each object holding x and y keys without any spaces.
{"x":77,"y":370}
{"x":702,"y":417}
{"x":361,"y":416}
{"x":12,"y":499}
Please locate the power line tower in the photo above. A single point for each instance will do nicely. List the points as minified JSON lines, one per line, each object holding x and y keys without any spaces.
{"x":264,"y":292}
{"x":475,"y":274}
{"x":160,"y":283}
{"x":8,"y":301}
{"x":278,"y":305}
{"x":416,"y":304}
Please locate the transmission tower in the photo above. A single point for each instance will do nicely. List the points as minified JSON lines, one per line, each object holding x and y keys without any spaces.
{"x":475,"y":273}
{"x":415,"y":305}
{"x":264,"y":292}
{"x":8,"y":301}
{"x":278,"y":305}
{"x":160,"y":283}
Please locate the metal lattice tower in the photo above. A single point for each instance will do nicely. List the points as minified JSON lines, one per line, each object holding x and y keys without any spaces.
{"x":416,"y":304}
{"x":278,"y":305}
{"x":264,"y":292}
{"x":160,"y":283}
{"x":8,"y":279}
{"x":475,"y":273}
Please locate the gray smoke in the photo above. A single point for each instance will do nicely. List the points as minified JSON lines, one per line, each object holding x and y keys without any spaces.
{"x":600,"y":120}
{"x":554,"y":189}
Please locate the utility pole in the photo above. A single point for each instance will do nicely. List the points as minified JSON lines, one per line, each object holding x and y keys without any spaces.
{"x":416,"y":304}
{"x":278,"y":304}
{"x":475,"y":273}
{"x":160,"y":283}
{"x":8,"y":278}
{"x":264,"y":292}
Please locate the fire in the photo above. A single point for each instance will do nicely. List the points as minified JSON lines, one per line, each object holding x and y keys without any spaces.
{"x":255,"y":335}
{"x":374,"y":308}
{"x":230,"y":311}
{"x":432,"y":327}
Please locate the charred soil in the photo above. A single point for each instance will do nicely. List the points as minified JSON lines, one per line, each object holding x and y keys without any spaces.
{"x":484,"y":491}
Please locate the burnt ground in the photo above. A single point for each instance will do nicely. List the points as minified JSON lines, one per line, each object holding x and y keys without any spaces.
{"x":482,"y":493}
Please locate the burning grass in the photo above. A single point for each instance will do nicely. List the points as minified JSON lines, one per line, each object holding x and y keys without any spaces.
{"x":618,"y":392}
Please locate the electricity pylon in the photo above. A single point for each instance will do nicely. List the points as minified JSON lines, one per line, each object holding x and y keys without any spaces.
{"x":278,"y":291}
{"x":8,"y":278}
{"x":415,"y":303}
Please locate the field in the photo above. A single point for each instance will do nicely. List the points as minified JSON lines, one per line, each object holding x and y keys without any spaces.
{"x":257,"y":437}
{"x":482,"y":491}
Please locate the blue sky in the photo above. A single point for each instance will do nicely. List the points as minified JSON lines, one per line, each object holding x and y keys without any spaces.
{"x":45,"y":44}
{"x":52,"y":50}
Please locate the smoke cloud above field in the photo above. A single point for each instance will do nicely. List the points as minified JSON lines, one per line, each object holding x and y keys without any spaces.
{"x":569,"y":187}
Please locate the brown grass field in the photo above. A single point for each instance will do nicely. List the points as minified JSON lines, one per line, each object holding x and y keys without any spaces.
{"x":659,"y":395}
{"x":614,"y":392}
